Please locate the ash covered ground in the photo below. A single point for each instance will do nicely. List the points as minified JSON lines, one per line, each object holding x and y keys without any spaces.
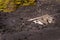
{"x":14,"y":26}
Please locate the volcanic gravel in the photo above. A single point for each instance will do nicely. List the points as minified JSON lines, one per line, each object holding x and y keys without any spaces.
{"x":14,"y":25}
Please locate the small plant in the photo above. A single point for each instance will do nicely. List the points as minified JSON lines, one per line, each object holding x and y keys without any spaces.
{"x":12,"y":5}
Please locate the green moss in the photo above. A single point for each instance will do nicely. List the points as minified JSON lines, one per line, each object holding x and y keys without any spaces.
{"x":12,"y":5}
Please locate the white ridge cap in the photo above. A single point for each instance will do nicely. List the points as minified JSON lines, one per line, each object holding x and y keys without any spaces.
{"x":38,"y":22}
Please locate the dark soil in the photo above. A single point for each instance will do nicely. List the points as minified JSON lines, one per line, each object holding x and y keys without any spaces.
{"x":14,"y":26}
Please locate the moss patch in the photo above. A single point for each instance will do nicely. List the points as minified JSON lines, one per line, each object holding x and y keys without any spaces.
{"x":12,"y":5}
